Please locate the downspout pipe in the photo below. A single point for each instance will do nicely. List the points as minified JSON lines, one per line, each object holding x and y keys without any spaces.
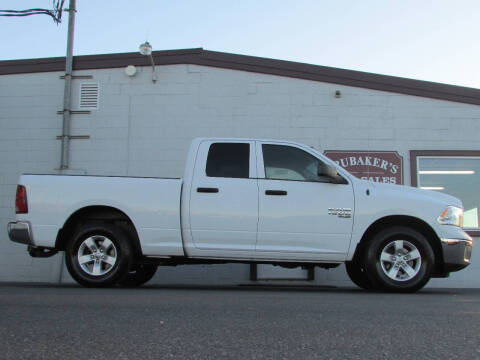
{"x":67,"y":94}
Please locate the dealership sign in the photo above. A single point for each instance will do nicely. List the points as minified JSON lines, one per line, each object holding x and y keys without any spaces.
{"x":378,"y":166}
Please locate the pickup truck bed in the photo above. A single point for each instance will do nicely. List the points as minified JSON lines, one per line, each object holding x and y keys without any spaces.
{"x":152,"y":204}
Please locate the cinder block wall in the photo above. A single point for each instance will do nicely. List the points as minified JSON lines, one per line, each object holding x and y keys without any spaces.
{"x":144,"y":129}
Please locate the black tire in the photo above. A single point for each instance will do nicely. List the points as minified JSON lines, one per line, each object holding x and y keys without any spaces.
{"x":138,"y":276}
{"x":408,"y":260}
{"x":358,"y":275}
{"x":107,"y":265}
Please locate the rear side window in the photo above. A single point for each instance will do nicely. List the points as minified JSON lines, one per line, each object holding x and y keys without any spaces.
{"x":230,"y":160}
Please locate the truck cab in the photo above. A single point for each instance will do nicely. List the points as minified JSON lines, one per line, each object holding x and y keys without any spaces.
{"x":265,"y":199}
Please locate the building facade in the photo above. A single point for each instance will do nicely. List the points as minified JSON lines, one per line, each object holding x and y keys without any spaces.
{"x":124,"y":123}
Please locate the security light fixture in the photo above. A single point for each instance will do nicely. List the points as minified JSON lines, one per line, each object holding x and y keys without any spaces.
{"x":146,"y":49}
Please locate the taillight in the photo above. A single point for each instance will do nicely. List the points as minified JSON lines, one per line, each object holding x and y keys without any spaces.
{"x":21,"y":204}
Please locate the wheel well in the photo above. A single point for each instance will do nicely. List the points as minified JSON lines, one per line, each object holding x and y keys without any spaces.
{"x":97,"y":213}
{"x":408,"y":221}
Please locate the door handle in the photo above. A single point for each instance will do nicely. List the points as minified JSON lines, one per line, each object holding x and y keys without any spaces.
{"x":275,"y":192}
{"x":207,"y":190}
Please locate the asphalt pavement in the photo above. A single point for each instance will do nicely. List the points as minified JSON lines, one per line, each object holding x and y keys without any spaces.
{"x":244,"y":322}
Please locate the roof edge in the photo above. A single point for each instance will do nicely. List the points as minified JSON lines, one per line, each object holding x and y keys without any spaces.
{"x":199,"y":56}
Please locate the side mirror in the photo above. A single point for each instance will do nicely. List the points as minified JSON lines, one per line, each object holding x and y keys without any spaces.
{"x":331,"y":172}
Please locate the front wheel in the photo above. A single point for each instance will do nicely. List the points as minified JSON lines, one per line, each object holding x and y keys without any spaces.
{"x":399,"y":259}
{"x":98,"y":255}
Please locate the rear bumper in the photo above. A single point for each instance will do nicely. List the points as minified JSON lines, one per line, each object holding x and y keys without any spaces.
{"x":456,"y":253}
{"x":20,"y":232}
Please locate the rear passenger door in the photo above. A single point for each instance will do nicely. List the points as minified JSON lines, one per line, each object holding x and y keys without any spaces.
{"x":224,"y":196}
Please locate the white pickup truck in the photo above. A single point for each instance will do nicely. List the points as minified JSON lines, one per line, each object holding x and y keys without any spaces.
{"x":248,"y":201}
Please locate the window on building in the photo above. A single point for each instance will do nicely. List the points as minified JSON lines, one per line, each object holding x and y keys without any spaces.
{"x":290,"y":163}
{"x":451,"y":172}
{"x":229,"y":160}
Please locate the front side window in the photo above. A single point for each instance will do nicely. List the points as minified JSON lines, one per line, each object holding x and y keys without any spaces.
{"x":455,"y":175}
{"x":228,"y":160}
{"x":290,"y":163}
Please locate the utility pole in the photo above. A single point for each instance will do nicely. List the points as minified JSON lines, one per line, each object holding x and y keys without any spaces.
{"x":67,"y":94}
{"x":67,"y":100}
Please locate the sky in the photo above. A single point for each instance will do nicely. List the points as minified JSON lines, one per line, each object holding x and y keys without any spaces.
{"x":433,"y":40}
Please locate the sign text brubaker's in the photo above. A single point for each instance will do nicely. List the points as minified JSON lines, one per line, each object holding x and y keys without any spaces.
{"x":378,"y":166}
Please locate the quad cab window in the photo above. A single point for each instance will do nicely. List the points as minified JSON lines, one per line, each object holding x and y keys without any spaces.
{"x":290,"y":163}
{"x":228,"y":160}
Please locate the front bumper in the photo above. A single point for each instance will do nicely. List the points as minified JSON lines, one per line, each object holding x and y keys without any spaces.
{"x":456,"y":253}
{"x":20,"y":232}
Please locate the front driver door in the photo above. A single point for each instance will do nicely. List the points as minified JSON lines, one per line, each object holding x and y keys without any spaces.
{"x":295,"y":207}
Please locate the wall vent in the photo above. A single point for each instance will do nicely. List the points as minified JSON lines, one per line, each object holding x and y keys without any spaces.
{"x":89,"y":96}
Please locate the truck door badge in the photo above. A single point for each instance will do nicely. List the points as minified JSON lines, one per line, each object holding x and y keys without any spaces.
{"x":340,"y":212}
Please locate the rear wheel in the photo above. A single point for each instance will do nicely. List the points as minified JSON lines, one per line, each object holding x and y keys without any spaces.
{"x":98,"y":255}
{"x":139,"y":275}
{"x":399,"y":259}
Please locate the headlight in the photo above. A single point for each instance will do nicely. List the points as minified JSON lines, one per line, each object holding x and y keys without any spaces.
{"x":452,"y":215}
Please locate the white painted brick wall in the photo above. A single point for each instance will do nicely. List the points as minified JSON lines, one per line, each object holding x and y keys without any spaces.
{"x":144,"y":129}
